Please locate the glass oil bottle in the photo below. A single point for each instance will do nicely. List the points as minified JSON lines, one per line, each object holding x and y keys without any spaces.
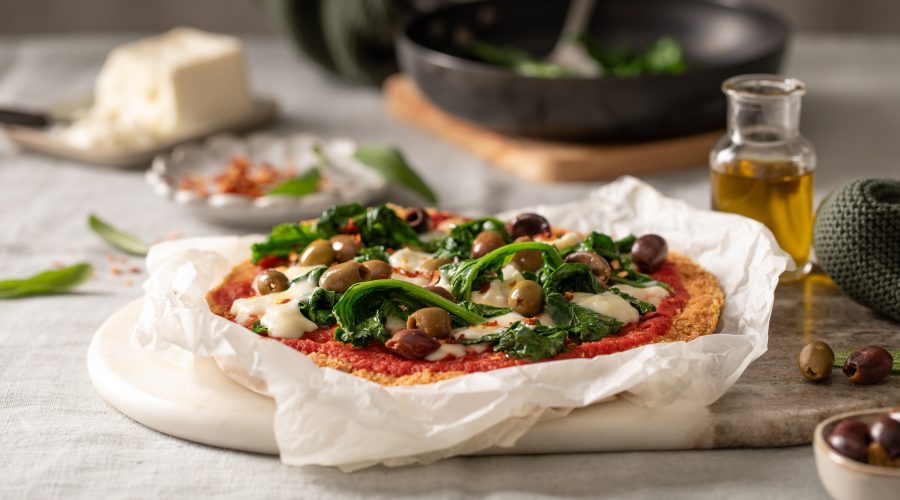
{"x":762,"y":167}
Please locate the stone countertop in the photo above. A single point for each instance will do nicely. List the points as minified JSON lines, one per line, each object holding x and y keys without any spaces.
{"x":60,"y":439}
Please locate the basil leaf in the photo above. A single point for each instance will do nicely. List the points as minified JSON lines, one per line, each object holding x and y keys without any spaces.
{"x":392,"y":166}
{"x":641,"y":306}
{"x":484,"y":309}
{"x":377,"y":252}
{"x":517,"y":60}
{"x":464,"y":275}
{"x":363,"y":301}
{"x":571,"y":277}
{"x":283,"y":240}
{"x":126,"y":242}
{"x":383,"y":227}
{"x":599,"y":243}
{"x":520,"y":341}
{"x":302,"y":185}
{"x":582,"y":322}
{"x":56,"y":281}
{"x":259,"y":329}
{"x":312,"y":275}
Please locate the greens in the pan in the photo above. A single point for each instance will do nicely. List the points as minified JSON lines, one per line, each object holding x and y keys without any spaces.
{"x":665,"y":56}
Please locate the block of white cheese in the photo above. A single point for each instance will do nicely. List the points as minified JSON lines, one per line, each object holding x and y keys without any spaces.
{"x":163,"y":87}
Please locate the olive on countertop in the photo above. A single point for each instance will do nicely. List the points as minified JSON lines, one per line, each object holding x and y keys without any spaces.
{"x":816,"y":361}
{"x":886,"y":432}
{"x":345,"y":247}
{"x":434,"y":264}
{"x":271,"y":281}
{"x":486,"y":242}
{"x":317,"y":253}
{"x":412,"y":343}
{"x":434,"y":321}
{"x":443,"y":292}
{"x":340,"y":277}
{"x":597,"y":264}
{"x":527,"y":224}
{"x":868,"y":365}
{"x":527,"y":260}
{"x":378,"y":269}
{"x":418,"y":219}
{"x":851,"y":439}
{"x":527,"y":298}
{"x":649,"y":252}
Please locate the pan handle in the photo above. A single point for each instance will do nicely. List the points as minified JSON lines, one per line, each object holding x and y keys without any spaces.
{"x":24,"y":118}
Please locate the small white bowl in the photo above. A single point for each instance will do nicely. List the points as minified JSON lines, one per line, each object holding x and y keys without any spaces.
{"x":349,"y":180}
{"x":847,"y":479}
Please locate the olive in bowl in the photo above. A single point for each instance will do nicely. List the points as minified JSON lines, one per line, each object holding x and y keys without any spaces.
{"x":845,"y":477}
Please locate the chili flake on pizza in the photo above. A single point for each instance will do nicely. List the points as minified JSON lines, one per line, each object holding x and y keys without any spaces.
{"x":411,"y":296}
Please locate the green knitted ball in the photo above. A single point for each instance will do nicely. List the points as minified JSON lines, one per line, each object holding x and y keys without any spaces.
{"x":857,"y":241}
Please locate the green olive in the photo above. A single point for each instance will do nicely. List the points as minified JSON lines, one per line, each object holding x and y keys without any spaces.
{"x":485,"y":242}
{"x":435,"y":264}
{"x":527,"y":298}
{"x":433,"y":320}
{"x":340,"y":277}
{"x":378,"y":269}
{"x":317,"y":253}
{"x":594,"y":262}
{"x":271,"y":281}
{"x":443,"y":292}
{"x":527,"y":260}
{"x":816,"y":360}
{"x":345,"y":247}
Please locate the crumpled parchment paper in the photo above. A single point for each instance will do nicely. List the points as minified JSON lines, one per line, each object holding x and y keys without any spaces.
{"x":327,"y":417}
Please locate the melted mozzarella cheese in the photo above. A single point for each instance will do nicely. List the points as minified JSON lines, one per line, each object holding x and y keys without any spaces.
{"x":418,"y":279}
{"x":511,"y":275}
{"x":567,"y":240}
{"x":608,"y":304}
{"x":286,"y":319}
{"x":651,"y":294}
{"x":394,"y":323}
{"x":496,"y":295}
{"x":455,"y":350}
{"x":408,"y":259}
{"x":492,"y":325}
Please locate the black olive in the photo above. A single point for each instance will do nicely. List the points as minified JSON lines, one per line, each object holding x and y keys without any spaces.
{"x":527,"y":224}
{"x":649,"y":252}
{"x":412,"y":343}
{"x":886,"y":432}
{"x":418,"y":219}
{"x":868,"y":365}
{"x":851,"y":439}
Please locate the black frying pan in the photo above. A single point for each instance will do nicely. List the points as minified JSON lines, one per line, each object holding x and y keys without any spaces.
{"x":718,"y":42}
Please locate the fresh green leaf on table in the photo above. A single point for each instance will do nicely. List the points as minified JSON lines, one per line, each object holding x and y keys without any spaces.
{"x":302,"y":185}
{"x":56,"y":281}
{"x":125,"y":242}
{"x":390,"y":164}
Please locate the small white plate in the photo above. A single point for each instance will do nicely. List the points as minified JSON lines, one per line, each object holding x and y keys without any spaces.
{"x":847,"y":479}
{"x":348,"y":180}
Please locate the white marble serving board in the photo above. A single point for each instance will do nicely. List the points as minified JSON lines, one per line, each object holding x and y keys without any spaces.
{"x":201,"y":404}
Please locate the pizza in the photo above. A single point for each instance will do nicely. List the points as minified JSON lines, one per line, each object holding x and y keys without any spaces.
{"x":403,"y":296}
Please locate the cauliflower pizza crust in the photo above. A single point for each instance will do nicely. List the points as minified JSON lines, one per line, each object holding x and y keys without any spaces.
{"x":691,"y":309}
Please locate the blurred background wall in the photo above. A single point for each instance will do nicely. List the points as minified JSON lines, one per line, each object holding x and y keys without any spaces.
{"x":248,"y":16}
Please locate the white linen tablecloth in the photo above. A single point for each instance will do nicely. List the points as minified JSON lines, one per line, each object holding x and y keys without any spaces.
{"x":58,"y":438}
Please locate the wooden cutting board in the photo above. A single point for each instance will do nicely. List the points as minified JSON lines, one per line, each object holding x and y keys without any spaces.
{"x":540,"y":160}
{"x":771,"y":405}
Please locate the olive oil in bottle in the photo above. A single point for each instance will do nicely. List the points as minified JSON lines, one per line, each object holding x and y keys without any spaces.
{"x":762,"y":167}
{"x":778,"y":194}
